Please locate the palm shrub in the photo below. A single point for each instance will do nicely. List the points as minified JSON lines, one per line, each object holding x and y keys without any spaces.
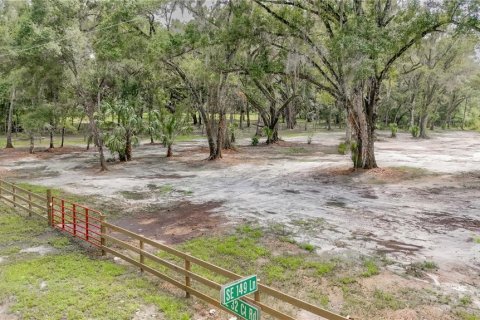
{"x":415,"y":131}
{"x":255,"y":140}
{"x":172,"y":125}
{"x":269,"y":133}
{"x":122,"y":124}
{"x":393,"y":129}
{"x":355,"y":154}
{"x":34,"y":123}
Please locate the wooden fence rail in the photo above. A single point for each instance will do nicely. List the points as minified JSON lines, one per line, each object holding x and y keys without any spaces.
{"x":110,"y":243}
{"x":30,"y":202}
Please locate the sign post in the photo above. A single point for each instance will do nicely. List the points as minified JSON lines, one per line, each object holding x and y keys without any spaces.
{"x":231,"y":293}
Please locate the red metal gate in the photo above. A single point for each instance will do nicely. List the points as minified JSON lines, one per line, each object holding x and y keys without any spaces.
{"x":77,"y":220}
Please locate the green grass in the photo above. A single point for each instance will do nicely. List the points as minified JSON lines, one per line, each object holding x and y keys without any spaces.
{"x":275,"y":273}
{"x":385,"y":300}
{"x":70,"y":284}
{"x":22,"y":141}
{"x":134,"y":195}
{"x":250,"y":231}
{"x":78,"y":287}
{"x":322,"y":268}
{"x":370,"y":268}
{"x":245,"y":252}
{"x":322,"y":299}
{"x":59,"y":242}
{"x":166,"y":188}
{"x":296,"y":150}
{"x":42,"y":190}
{"x":347,"y":280}
{"x":476,"y":240}
{"x":468,"y":316}
{"x":465,"y":300}
{"x":14,"y":229}
{"x":307,"y":247}
{"x":292,"y":263}
{"x":418,"y":269}
{"x":429,"y":265}
{"x":234,"y":251}
{"x":343,"y":148}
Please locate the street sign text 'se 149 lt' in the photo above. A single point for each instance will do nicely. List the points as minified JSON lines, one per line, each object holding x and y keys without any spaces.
{"x":240,"y":288}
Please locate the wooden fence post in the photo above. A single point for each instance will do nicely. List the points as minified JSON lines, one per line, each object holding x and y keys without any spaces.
{"x":63,"y":214}
{"x":102,"y":231}
{"x":30,"y":205}
{"x":257,"y":296}
{"x":74,"y":214}
{"x":86,"y":225}
{"x":50,"y":208}
{"x":13,"y":194}
{"x":142,"y":258}
{"x":187,"y":277}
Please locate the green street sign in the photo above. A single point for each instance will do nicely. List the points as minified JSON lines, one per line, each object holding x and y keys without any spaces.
{"x":237,"y":289}
{"x":244,"y":310}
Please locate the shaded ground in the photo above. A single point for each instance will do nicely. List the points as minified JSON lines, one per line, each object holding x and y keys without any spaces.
{"x":422,"y":205}
{"x":175,"y":224}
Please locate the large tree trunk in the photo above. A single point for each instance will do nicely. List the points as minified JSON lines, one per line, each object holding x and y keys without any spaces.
{"x":412,"y":117}
{"x":194,"y":117}
{"x":128,"y":145}
{"x":290,"y":116}
{"x":248,"y":116}
{"x":348,"y":131}
{"x":273,"y":128}
{"x":362,"y":119}
{"x":89,"y":140}
{"x":242,"y":115}
{"x":222,"y":124}
{"x":274,"y":136}
{"x":227,"y":142}
{"x":329,"y":120}
{"x":464,"y":114}
{"x":32,"y":143}
{"x":10,"y":120}
{"x":258,"y":131}
{"x":51,"y":139}
{"x":97,"y":138}
{"x":63,"y":137}
{"x":209,"y":130}
{"x":80,"y":123}
{"x":423,"y":126}
{"x":169,"y":151}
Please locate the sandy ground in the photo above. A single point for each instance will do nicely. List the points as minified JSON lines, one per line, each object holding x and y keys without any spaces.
{"x":422,"y":205}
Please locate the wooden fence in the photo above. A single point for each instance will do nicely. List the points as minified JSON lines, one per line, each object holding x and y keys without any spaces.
{"x":184,"y":272}
{"x":32,"y":203}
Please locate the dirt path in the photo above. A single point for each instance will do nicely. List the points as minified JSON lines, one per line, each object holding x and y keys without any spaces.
{"x":426,"y":208}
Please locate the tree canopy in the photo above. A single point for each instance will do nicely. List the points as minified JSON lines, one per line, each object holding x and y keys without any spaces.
{"x":145,"y":67}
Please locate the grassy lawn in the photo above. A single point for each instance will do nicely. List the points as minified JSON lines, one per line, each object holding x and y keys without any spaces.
{"x":22,"y":141}
{"x":68,"y":282}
